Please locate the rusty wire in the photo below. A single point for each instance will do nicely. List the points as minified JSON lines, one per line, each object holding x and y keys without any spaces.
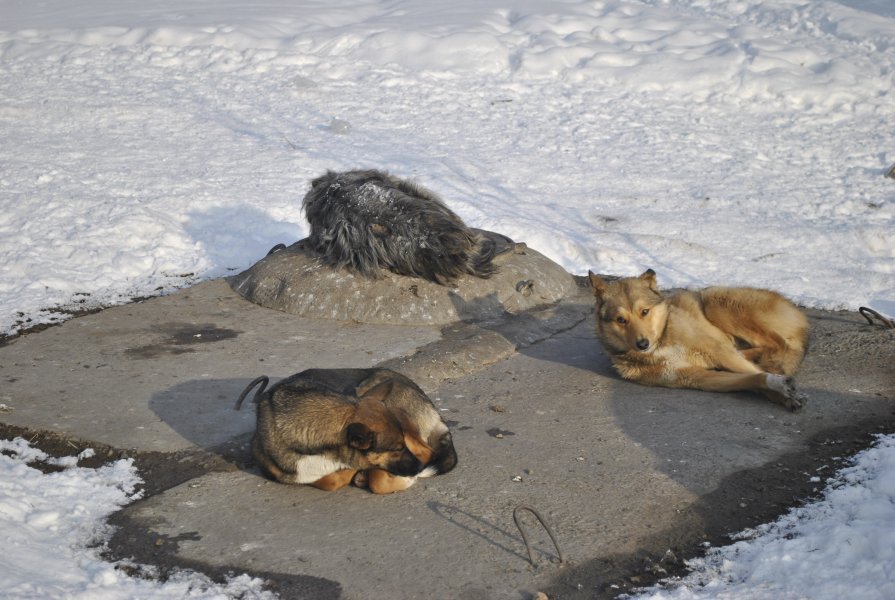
{"x":873,"y":314}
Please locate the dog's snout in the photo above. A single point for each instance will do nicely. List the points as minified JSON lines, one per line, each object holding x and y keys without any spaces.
{"x":407,"y":466}
{"x":642,"y":344}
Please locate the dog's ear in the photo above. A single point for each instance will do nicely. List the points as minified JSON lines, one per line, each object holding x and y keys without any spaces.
{"x":359,"y":436}
{"x":649,"y":276}
{"x":378,"y":392}
{"x":597,"y":283}
{"x":413,"y":440}
{"x":371,"y":411}
{"x":420,"y":449}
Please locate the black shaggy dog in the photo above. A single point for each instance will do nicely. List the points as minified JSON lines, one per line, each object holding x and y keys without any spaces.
{"x":370,"y":220}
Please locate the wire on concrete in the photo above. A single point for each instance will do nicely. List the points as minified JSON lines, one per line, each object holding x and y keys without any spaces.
{"x":524,"y":533}
{"x":870,"y":314}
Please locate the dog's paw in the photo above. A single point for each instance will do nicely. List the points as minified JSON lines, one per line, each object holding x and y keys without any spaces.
{"x":360,"y":479}
{"x":383,"y":482}
{"x":797,"y":402}
{"x":782,"y":389}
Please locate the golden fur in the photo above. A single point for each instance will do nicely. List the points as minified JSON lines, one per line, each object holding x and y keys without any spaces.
{"x":717,"y":339}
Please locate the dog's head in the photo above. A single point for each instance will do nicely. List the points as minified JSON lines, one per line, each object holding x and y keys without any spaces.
{"x":631,"y":313}
{"x":376,"y":434}
{"x":425,"y":433}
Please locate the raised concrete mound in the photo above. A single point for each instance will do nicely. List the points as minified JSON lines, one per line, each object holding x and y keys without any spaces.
{"x":294,"y":281}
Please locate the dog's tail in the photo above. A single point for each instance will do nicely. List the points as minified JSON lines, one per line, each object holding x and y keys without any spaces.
{"x":481,"y":263}
{"x":263,"y":380}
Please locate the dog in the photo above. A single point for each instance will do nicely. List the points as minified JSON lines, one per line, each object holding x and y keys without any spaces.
{"x":332,"y":427}
{"x":367,"y":221}
{"x":717,"y":339}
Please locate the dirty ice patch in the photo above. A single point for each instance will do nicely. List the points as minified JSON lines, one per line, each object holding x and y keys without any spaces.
{"x":842,"y":546}
{"x":53,"y":525}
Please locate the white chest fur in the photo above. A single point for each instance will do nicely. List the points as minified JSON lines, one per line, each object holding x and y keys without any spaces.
{"x":312,"y":467}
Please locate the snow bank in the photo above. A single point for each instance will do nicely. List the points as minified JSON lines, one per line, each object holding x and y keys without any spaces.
{"x":145,"y":147}
{"x":54,"y":523}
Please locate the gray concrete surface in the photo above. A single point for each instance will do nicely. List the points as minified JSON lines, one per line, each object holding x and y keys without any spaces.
{"x":538,"y":418}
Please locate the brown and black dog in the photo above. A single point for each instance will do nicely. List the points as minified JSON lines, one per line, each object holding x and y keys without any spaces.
{"x":718,"y":339}
{"x":329,"y":427}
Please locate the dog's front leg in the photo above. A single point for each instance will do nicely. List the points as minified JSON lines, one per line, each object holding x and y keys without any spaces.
{"x":776,"y":388}
{"x":336,"y":480}
{"x":782,"y":390}
{"x":709,"y":380}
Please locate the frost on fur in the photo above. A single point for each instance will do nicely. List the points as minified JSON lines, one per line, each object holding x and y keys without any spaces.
{"x":367,"y":221}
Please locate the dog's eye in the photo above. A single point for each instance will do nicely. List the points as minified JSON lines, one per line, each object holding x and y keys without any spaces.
{"x":644,"y":312}
{"x":621,"y":320}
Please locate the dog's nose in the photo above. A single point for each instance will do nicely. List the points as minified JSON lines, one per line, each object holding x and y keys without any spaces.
{"x":642,"y":344}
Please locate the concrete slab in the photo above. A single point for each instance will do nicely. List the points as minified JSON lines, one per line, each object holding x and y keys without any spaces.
{"x":612,"y":465}
{"x":293,"y":280}
{"x":164,"y":374}
{"x":538,"y":418}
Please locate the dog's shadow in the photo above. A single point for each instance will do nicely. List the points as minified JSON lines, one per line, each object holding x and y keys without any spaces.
{"x":525,"y":329}
{"x":202,"y":411}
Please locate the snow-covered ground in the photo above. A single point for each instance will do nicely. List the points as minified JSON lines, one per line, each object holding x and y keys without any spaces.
{"x":145,"y":146}
{"x":52,"y":527}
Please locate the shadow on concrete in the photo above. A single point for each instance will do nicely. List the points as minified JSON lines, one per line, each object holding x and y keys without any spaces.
{"x":202,"y":412}
{"x":480,"y":527}
{"x":525,"y":330}
{"x":742,"y":500}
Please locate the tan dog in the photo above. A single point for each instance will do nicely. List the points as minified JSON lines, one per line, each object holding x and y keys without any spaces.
{"x":319,"y":427}
{"x":717,"y":339}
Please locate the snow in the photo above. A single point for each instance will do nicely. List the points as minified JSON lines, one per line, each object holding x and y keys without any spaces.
{"x":53,"y":526}
{"x":842,"y":546}
{"x":148,"y":146}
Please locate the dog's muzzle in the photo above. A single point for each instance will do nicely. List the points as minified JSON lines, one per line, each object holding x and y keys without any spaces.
{"x":642,"y":344}
{"x":407,"y":466}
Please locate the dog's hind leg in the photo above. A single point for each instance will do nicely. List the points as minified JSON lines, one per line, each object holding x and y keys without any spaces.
{"x":774,"y":354}
{"x":774,"y":328}
{"x":336,"y":480}
{"x":728,"y":358}
{"x":709,"y":380}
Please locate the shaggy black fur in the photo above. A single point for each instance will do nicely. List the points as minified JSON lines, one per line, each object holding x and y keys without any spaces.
{"x":369,"y":220}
